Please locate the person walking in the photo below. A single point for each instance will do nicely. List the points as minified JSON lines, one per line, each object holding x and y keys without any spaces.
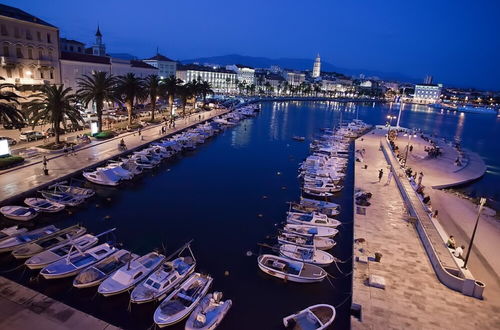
{"x":411,"y":148}
{"x":380,"y":174}
{"x":420,"y":177}
{"x":45,"y":162}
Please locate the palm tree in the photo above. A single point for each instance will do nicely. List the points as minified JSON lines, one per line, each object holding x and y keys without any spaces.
{"x":152,"y":84}
{"x":204,"y":88}
{"x":130,"y":88}
{"x":8,"y":112}
{"x":169,"y":88}
{"x":54,"y":104}
{"x":98,"y":88}
{"x":185,"y":92}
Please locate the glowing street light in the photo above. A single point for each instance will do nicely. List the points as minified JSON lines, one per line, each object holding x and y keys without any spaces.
{"x":481,"y":205}
{"x":408,"y":145}
{"x":390,"y":117}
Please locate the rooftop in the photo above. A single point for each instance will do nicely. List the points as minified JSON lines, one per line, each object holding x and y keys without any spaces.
{"x":78,"y":57}
{"x":72,"y":41}
{"x":17,"y":13}
{"x":159,"y":57}
{"x":141,"y":64}
{"x":197,"y":67}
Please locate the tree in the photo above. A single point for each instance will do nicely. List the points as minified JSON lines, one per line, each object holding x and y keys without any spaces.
{"x":98,"y":88}
{"x":170,"y":87}
{"x":204,"y":88}
{"x":130,"y":88}
{"x":152,"y":85}
{"x":8,"y":112}
{"x":55,"y":105}
{"x":268,"y":86}
{"x":185,"y":92}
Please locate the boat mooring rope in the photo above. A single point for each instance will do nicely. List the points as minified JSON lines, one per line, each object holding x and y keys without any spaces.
{"x":344,"y":301}
{"x":11,"y":270}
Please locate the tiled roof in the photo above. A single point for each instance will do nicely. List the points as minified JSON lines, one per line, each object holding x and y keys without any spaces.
{"x":78,"y":57}
{"x":16,"y":13}
{"x":72,"y":41}
{"x":159,"y":57}
{"x":141,"y":64}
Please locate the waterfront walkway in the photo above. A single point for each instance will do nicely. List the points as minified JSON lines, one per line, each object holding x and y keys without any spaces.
{"x":27,"y":179}
{"x":22,"y":308}
{"x":413,"y":297}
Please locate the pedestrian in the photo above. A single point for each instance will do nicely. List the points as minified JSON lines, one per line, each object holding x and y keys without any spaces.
{"x":65,"y":150}
{"x":451,"y":242}
{"x":45,"y":162}
{"x":73,"y":150}
{"x":199,"y":117}
{"x":458,"y":253}
{"x":420,"y":177}
{"x":411,"y":148}
{"x":380,"y":174}
{"x":389,"y":177}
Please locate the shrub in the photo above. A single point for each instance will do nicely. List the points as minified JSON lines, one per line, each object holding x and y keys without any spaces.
{"x":54,"y":146}
{"x":9,"y":161}
{"x":104,"y":135}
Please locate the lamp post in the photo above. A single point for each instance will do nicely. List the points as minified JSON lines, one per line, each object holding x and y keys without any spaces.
{"x":390,"y":117}
{"x":481,"y":205}
{"x":408,"y":145}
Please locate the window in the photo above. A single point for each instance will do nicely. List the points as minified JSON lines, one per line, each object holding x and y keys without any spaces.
{"x":51,"y":74}
{"x":16,"y":32}
{"x":21,"y":75}
{"x":40,"y":53}
{"x":71,"y":48}
{"x":30,"y":53}
{"x":3,"y":30}
{"x":19,"y":52}
{"x":50,"y":55}
{"x":6,"y":50}
{"x":39,"y":35}
{"x":41,"y":74}
{"x":48,"y":38}
{"x":28,"y":35}
{"x":9,"y":72}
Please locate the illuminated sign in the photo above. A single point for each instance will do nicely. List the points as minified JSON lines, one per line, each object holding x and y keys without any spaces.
{"x":4,"y":148}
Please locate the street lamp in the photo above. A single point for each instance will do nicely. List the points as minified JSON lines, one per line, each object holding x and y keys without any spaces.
{"x":408,"y":145}
{"x":481,"y":205}
{"x":390,"y":119}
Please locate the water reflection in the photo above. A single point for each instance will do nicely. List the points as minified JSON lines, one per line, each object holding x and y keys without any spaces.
{"x":460,"y":128}
{"x":240,"y":135}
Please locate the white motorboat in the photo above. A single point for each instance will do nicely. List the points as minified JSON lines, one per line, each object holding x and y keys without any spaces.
{"x":106,"y":177}
{"x":312,"y":219}
{"x":322,"y":187}
{"x":308,"y":255}
{"x":143,"y":161}
{"x":19,"y":213}
{"x":317,"y":193}
{"x":62,"y":198}
{"x":120,"y":172}
{"x":163,"y":280}
{"x":74,"y":263}
{"x":63,"y":236}
{"x":79,"y":192}
{"x":130,"y":274}
{"x":290,"y":270}
{"x":18,"y":240}
{"x":181,"y":302}
{"x":61,"y":251}
{"x":209,"y":313}
{"x":308,"y":241}
{"x":44,"y":205}
{"x":316,"y":317}
{"x":128,"y":165}
{"x":306,"y":209}
{"x":95,"y":274}
{"x":318,"y":204}
{"x":311,"y":230}
{"x":11,"y":231}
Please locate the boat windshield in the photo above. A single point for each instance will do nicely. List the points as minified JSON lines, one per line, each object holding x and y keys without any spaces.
{"x":83,"y":260}
{"x":21,"y":211}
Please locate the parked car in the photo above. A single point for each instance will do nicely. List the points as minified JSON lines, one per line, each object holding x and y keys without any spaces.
{"x":31,"y":136}
{"x":50,"y":131}
{"x":14,"y":126}
{"x":11,"y":141}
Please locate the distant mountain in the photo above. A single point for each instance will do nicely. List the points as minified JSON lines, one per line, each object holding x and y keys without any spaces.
{"x":293,"y":63}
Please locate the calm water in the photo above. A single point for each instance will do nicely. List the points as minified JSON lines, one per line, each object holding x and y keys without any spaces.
{"x":214,"y":195}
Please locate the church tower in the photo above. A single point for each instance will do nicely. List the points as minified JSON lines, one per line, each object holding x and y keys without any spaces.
{"x":98,"y":49}
{"x":317,"y":67}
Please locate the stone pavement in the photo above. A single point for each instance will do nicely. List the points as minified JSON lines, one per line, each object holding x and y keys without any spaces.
{"x":22,"y":308}
{"x":413,"y":297}
{"x":27,"y":179}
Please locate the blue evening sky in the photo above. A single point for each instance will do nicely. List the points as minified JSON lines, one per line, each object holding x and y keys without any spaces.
{"x":456,"y":41}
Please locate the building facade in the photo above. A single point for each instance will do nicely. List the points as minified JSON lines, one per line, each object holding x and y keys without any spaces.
{"x":221,"y":80}
{"x":427,"y":93}
{"x":317,"y":67}
{"x":72,"y":46}
{"x":244,"y":73}
{"x":294,"y":78}
{"x":29,"y":49}
{"x":166,"y":66}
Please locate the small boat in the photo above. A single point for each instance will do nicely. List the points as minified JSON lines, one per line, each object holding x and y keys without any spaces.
{"x":317,"y":193}
{"x":299,"y":138}
{"x":183,"y":300}
{"x":95,"y":274}
{"x":317,"y":317}
{"x":307,"y":202}
{"x":63,"y":236}
{"x":44,"y":205}
{"x":306,"y":209}
{"x":13,"y":242}
{"x":61,"y":251}
{"x":312,"y":219}
{"x":130,"y":274}
{"x":164,"y":279}
{"x":209,"y":313}
{"x":11,"y":231}
{"x":73,"y":190}
{"x":311,"y":230}
{"x":74,"y":263}
{"x":62,"y":198}
{"x":19,"y":213}
{"x":122,"y":173}
{"x":308,"y":255}
{"x":290,"y":270}
{"x":105,"y":177}
{"x":308,"y":241}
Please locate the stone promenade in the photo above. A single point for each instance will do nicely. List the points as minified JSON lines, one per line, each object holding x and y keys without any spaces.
{"x":413,"y":297}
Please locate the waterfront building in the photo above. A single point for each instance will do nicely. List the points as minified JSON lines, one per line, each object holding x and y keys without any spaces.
{"x":294,"y":78}
{"x":221,"y":80}
{"x":317,"y":67}
{"x":29,"y":50}
{"x":72,"y":46}
{"x":166,"y":66}
{"x":243,"y":73}
{"x":427,"y":93}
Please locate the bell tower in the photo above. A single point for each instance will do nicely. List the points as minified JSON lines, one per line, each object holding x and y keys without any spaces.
{"x":98,"y":49}
{"x":317,"y":67}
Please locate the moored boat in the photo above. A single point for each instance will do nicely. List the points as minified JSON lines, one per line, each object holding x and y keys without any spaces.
{"x":209,"y":313}
{"x":44,"y":205}
{"x":290,"y":270}
{"x":19,"y":213}
{"x":311,"y":230}
{"x":13,"y":242}
{"x":308,"y":241}
{"x":11,"y":231}
{"x":316,"y":317}
{"x":308,"y":255}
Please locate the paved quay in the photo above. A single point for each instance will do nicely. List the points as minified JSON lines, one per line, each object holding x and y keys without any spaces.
{"x":413,"y":297}
{"x":27,"y":179}
{"x":22,"y":308}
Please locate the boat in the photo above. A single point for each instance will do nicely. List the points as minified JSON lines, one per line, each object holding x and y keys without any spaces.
{"x":311,"y":230}
{"x":299,"y":138}
{"x":308,"y":241}
{"x":11,"y":231}
{"x":307,"y":202}
{"x":307,"y":209}
{"x":312,"y":219}
{"x":74,"y":263}
{"x":105,"y":177}
{"x":163,"y":280}
{"x":317,"y":193}
{"x":130,"y":274}
{"x":62,"y":198}
{"x":308,"y":255}
{"x":119,"y":171}
{"x":18,"y":240}
{"x":181,"y":302}
{"x":63,"y":236}
{"x":95,"y":274}
{"x":73,"y":190}
{"x":475,"y":109}
{"x":316,"y":317}
{"x":290,"y":270}
{"x":44,"y":205}
{"x":209,"y":313}
{"x":19,"y":213}
{"x":61,"y":251}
